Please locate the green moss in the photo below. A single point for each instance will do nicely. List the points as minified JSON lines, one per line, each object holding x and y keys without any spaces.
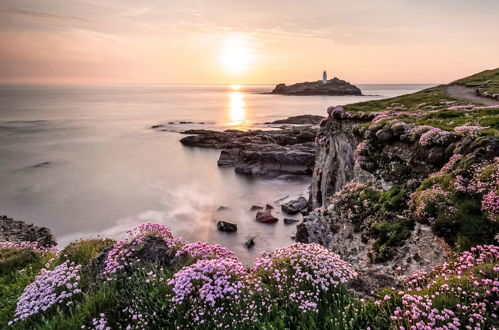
{"x":82,"y":251}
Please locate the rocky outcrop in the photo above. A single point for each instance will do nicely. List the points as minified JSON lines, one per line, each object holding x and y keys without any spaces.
{"x":338,"y":163}
{"x":332,"y":87}
{"x":299,"y":120}
{"x":258,"y":152}
{"x":335,"y":164}
{"x":421,"y":250}
{"x":19,"y":231}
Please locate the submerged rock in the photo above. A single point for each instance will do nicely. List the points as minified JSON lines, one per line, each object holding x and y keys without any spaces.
{"x":290,"y":221}
{"x":226,"y":226}
{"x":256,"y":208}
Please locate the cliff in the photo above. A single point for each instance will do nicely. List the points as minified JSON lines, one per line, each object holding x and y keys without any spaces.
{"x":333,"y":87}
{"x":397,"y":189}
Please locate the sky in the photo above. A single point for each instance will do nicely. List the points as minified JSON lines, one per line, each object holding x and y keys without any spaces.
{"x":246,"y":42}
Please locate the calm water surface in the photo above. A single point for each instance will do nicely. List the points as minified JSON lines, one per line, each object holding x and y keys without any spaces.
{"x":83,"y":161}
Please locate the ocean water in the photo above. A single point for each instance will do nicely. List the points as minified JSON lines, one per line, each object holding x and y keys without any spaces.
{"x":83,"y":161}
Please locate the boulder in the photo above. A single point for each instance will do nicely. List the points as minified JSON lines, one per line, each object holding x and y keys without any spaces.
{"x":265,"y":217}
{"x":295,"y":206}
{"x":290,"y":221}
{"x":226,"y":226}
{"x":250,"y":242}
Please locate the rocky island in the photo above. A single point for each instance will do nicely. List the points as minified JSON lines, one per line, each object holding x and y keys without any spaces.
{"x":334,"y":87}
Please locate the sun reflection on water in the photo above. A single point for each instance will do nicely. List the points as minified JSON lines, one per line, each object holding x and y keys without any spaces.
{"x":237,"y":112}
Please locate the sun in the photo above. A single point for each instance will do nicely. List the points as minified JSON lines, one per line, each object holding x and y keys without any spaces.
{"x":236,"y":55}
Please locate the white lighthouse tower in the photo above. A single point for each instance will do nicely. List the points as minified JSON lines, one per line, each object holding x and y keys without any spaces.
{"x":324,"y":78}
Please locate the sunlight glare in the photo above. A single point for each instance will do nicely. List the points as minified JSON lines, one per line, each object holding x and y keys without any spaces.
{"x":237,"y":112}
{"x":236,"y":56}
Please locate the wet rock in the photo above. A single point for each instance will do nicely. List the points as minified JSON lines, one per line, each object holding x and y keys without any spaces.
{"x":265,"y":217}
{"x":226,"y":226}
{"x":295,"y":206}
{"x":250,"y":242}
{"x":290,"y":221}
{"x":19,"y":231}
{"x":256,"y":207}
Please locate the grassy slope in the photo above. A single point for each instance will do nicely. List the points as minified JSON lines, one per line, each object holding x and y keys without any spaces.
{"x":488,"y":80}
{"x":427,"y":107}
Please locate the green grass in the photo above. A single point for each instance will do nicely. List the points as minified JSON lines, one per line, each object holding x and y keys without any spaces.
{"x":488,"y":80}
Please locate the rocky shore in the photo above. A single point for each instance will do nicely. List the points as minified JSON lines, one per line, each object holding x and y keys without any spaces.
{"x":289,"y":150}
{"x":334,"y":87}
{"x":19,"y":231}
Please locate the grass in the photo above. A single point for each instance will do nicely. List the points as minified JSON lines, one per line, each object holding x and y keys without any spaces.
{"x":488,"y":80}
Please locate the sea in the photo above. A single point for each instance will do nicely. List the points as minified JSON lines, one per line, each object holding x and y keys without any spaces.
{"x":83,"y":160}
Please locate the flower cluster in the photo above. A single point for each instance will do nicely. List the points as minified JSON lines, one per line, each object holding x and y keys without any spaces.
{"x":434,"y":136}
{"x":28,"y":245}
{"x":123,"y":252}
{"x":210,"y":291}
{"x":425,"y":204}
{"x":204,"y":251}
{"x":302,"y":274}
{"x":429,"y":299}
{"x":98,"y":324}
{"x":449,"y":165}
{"x":468,"y":128}
{"x":50,"y":287}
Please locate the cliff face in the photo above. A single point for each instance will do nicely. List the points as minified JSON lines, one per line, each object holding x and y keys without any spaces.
{"x":333,"y":87}
{"x":368,"y":179}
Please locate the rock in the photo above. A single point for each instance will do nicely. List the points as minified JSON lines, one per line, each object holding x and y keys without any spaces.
{"x":265,"y":217}
{"x":295,"y":206}
{"x":368,"y":283}
{"x":302,"y":235}
{"x":268,"y":207}
{"x":299,"y":120}
{"x":157,"y":126}
{"x":44,"y":164}
{"x":152,"y":250}
{"x":226,"y":226}
{"x":257,"y":152}
{"x":256,"y":207}
{"x":290,"y":221}
{"x":18,"y":231}
{"x":222,"y":208}
{"x":250,"y":242}
{"x":385,"y":134}
{"x":333,"y":87}
{"x":436,"y":156}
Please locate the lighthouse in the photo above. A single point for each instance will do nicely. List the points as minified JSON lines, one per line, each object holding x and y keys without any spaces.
{"x":324,"y":78}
